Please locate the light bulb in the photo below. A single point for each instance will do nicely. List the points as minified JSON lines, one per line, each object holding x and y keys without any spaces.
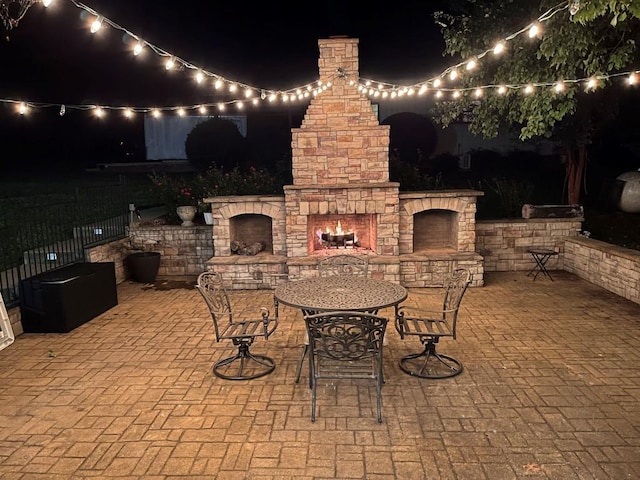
{"x":632,"y":79}
{"x":217,"y":84}
{"x":181,"y":112}
{"x":98,"y":112}
{"x":559,"y":87}
{"x":128,"y":113}
{"x":202,"y":109}
{"x":240,"y":105}
{"x":137,"y":50}
{"x":439,"y":94}
{"x":528,"y":89}
{"x":170,"y":63}
{"x":478,"y":92}
{"x":199,"y":76}
{"x":471,"y":64}
{"x":233,"y":87}
{"x":592,"y":84}
{"x":248,"y":93}
{"x":221,"y":107}
{"x":534,"y":30}
{"x":47,"y":3}
{"x":453,"y":74}
{"x":95,"y":26}
{"x":456,"y":94}
{"x":63,"y":110}
{"x":502,"y":89}
{"x":156,"y":113}
{"x":499,"y":48}
{"x":574,"y":6}
{"x":22,"y":108}
{"x":437,"y":82}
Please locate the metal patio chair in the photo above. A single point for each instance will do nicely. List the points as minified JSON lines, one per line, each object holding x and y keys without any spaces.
{"x":430,"y":327}
{"x":244,"y":365}
{"x":345,"y":345}
{"x":334,"y":265}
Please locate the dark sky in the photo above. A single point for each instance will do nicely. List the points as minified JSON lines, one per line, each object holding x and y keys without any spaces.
{"x":52,"y":57}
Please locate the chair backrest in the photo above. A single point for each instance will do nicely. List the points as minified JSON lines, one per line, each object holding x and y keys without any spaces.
{"x":455,"y":286}
{"x":346,"y":336}
{"x":338,"y":265}
{"x":211,"y":287}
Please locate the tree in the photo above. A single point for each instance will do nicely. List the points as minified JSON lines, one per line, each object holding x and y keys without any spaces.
{"x":215,"y":142}
{"x":597,"y":42}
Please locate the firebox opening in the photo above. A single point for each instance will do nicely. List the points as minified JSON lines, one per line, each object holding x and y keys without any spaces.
{"x":341,"y":232}
{"x":252,"y":228}
{"x":435,"y":230}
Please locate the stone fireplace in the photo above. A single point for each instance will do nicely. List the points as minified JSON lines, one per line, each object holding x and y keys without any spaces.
{"x":341,"y":200}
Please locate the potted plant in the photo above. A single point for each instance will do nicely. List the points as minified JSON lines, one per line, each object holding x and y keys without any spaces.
{"x":177,"y":194}
{"x":142,"y":263}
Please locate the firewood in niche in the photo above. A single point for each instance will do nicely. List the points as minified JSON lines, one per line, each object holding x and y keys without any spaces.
{"x":237,"y":245}
{"x":242,"y":248}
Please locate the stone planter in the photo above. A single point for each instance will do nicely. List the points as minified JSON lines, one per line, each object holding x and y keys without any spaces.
{"x":186,"y":213}
{"x":143,"y":266}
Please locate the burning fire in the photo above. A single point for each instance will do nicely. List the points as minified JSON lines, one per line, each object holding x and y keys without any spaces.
{"x":336,"y":232}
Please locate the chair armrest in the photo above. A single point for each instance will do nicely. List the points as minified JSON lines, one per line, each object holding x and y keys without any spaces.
{"x":266,"y":322}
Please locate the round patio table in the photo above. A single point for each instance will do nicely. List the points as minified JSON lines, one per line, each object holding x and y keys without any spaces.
{"x":323,"y":294}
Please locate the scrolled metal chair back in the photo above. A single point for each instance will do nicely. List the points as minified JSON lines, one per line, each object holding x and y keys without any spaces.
{"x":346,"y":336}
{"x":211,"y":287}
{"x":455,"y":287}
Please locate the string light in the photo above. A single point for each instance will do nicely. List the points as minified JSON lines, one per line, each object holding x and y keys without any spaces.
{"x":95,"y":26}
{"x":375,"y":89}
{"x":137,"y":50}
{"x":534,"y":30}
{"x":47,"y":3}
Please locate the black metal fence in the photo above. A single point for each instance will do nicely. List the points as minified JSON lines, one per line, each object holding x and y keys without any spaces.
{"x":41,"y":233}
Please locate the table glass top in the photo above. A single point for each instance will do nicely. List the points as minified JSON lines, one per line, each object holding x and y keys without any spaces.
{"x":341,"y":293}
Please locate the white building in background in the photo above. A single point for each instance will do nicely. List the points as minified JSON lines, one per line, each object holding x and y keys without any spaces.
{"x":165,"y":137}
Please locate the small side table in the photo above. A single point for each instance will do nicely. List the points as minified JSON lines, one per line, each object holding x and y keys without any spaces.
{"x":541,"y":257}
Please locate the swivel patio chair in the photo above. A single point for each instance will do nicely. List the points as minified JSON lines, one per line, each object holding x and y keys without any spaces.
{"x":430,"y":327}
{"x":244,"y":365}
{"x":345,"y":345}
{"x":334,"y":265}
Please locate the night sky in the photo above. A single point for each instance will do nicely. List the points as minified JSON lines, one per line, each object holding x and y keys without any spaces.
{"x":52,"y":57}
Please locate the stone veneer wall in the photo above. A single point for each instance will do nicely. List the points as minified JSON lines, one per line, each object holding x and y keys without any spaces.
{"x":224,"y":208}
{"x":381,"y":200}
{"x":340,"y":140}
{"x":463,"y":202}
{"x":614,"y":268}
{"x":185,"y":250}
{"x":504,"y":244}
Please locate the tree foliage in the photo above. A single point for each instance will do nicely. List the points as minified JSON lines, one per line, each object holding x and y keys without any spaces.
{"x":599,"y":41}
{"x":215,"y":142}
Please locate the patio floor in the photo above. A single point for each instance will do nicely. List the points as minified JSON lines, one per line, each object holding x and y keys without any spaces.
{"x":550,"y":389}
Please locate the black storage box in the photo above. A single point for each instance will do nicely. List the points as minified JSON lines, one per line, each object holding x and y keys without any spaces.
{"x":60,"y":300}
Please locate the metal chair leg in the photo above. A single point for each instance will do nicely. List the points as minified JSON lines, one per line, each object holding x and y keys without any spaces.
{"x":430,"y":364}
{"x":305,"y":351}
{"x":249,"y":365}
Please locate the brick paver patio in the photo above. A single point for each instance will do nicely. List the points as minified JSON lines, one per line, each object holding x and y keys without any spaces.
{"x":551,"y":389}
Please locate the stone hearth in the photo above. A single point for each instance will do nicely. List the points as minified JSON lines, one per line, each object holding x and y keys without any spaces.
{"x":340,"y":167}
